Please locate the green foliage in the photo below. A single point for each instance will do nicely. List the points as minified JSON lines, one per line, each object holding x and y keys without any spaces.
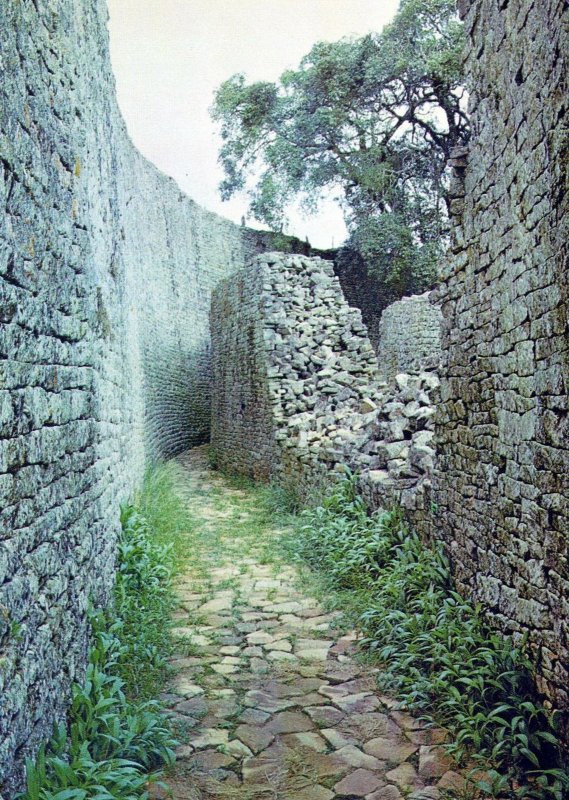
{"x":389,"y":251}
{"x":167,"y":519}
{"x":373,"y":118}
{"x":143,"y":604}
{"x":112,"y":745}
{"x":436,"y":652}
{"x":117,"y":738}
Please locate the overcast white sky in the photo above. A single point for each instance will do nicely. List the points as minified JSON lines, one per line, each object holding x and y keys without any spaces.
{"x":170,"y":55}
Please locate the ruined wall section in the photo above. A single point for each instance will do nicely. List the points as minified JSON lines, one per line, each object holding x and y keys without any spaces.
{"x":401,"y":476}
{"x":105,"y":275}
{"x":410,"y":336}
{"x":307,"y":355}
{"x":503,"y":478}
{"x":297,"y":392}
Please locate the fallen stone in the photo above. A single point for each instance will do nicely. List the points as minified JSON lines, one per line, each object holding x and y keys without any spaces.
{"x":434,"y":762}
{"x":357,"y":703}
{"x":196,"y":707}
{"x":325,"y":716}
{"x":253,"y":716}
{"x":210,"y":737}
{"x":237,"y":749}
{"x":216,"y":605}
{"x":337,"y":738}
{"x":289,"y":722}
{"x":387,"y":792}
{"x":315,"y":792}
{"x":392,"y":750}
{"x":355,"y":758}
{"x":309,"y":739}
{"x":405,"y":776}
{"x":254,"y":737}
{"x":453,"y":781}
{"x":359,"y":783}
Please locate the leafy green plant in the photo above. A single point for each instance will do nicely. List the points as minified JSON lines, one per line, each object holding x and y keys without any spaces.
{"x":372,"y":121}
{"x":117,"y":739}
{"x":144,"y":600}
{"x":436,"y":651}
{"x":167,"y":518}
{"x":112,"y":745}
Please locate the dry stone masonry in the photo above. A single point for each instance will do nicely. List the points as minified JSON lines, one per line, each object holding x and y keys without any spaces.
{"x":503,"y":434}
{"x":296,"y":389}
{"x":410,"y":336}
{"x":405,"y":447}
{"x":105,"y":275}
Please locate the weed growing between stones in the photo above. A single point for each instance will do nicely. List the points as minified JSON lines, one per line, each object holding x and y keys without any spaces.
{"x":117,"y":737}
{"x":437,"y":654}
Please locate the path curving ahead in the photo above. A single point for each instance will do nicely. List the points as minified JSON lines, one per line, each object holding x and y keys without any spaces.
{"x":270,"y":699}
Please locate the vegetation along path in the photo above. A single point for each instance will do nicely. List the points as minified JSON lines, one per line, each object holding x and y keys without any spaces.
{"x":268,"y":694}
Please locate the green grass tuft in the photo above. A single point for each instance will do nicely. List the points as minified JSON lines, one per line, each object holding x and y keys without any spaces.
{"x":437,"y":654}
{"x":165,"y":512}
{"x":117,"y":738}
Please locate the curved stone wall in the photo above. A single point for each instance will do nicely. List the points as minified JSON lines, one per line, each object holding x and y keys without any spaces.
{"x":105,"y":275}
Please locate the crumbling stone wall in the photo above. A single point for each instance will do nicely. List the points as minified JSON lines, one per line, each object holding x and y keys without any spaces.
{"x":105,"y":275}
{"x":409,"y":336}
{"x":297,"y":393}
{"x":503,"y":479}
{"x":285,"y":340}
{"x":406,"y":455}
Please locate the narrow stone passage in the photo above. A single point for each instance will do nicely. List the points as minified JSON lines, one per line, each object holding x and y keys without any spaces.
{"x":269,"y":697}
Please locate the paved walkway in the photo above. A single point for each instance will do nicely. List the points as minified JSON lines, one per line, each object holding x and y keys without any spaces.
{"x":270,"y":698}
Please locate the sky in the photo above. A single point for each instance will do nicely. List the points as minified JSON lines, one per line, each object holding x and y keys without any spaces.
{"x":169,"y":56}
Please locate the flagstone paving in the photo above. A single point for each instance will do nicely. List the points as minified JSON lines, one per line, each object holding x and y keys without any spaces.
{"x":268,"y":695}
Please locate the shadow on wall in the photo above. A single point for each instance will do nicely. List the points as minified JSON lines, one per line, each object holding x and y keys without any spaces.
{"x":106,"y":271}
{"x":177,"y":401}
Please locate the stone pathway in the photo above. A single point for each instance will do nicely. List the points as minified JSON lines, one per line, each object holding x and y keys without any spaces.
{"x":269,"y":697}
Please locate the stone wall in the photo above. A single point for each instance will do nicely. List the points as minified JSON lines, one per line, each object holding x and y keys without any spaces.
{"x":105,"y":275}
{"x":405,"y":447}
{"x":294,"y":376}
{"x":409,"y":336}
{"x":297,"y":393}
{"x":503,"y":434}
{"x":242,"y":424}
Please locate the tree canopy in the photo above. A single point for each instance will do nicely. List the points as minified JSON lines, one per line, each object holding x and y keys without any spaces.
{"x":373,"y":118}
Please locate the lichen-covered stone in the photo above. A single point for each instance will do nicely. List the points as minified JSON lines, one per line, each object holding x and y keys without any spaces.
{"x":105,"y":275}
{"x":410,"y":336}
{"x":502,"y":485}
{"x":297,"y":395}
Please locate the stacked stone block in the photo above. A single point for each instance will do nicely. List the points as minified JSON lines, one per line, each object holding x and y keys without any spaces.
{"x":105,"y":275}
{"x":242,"y":423}
{"x":405,"y":447}
{"x":297,"y":395}
{"x":283,"y":334}
{"x":502,"y":484}
{"x":410,"y":336}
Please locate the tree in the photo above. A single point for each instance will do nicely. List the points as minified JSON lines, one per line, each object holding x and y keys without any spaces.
{"x":375,"y":118}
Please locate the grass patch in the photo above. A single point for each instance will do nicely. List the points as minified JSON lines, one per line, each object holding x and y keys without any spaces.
{"x":117,"y":738}
{"x":437,"y":654}
{"x":165,"y":513}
